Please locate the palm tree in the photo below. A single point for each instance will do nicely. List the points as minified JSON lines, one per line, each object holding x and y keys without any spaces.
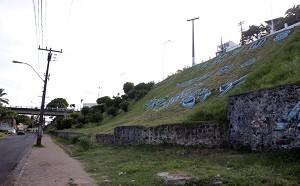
{"x":3,"y":100}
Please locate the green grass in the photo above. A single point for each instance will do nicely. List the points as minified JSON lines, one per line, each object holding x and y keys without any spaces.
{"x":277,"y":64}
{"x":2,"y":134}
{"x":138,"y":165}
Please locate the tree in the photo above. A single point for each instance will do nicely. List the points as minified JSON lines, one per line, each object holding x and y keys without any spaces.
{"x":292,"y":15}
{"x":127,"y":87}
{"x":253,"y":33}
{"x":106,"y":100}
{"x":3,"y":100}
{"x":96,"y":117}
{"x":85,"y":111}
{"x":24,"y":119}
{"x":58,"y":103}
{"x":7,"y":113}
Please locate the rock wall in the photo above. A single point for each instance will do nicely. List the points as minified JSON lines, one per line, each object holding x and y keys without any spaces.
{"x":266,"y":119}
{"x":203,"y":135}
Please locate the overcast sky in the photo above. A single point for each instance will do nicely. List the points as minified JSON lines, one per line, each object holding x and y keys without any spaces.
{"x":108,"y":43}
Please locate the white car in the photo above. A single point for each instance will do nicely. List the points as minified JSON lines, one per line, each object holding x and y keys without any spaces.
{"x":11,"y":131}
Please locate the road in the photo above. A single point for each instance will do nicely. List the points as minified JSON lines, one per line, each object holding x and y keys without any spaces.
{"x":12,"y":149}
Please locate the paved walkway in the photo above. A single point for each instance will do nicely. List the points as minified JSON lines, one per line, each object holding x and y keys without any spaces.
{"x":48,"y":166}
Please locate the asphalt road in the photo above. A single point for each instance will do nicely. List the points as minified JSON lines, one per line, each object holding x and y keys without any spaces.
{"x":12,"y":149}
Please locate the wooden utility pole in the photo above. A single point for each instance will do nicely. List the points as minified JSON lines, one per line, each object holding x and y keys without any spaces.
{"x":193,"y":46}
{"x":41,"y":119}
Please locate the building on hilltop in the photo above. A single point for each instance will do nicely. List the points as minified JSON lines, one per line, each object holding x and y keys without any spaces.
{"x":89,"y":104}
{"x":226,"y":47}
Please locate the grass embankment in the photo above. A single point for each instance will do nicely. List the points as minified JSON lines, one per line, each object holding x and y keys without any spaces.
{"x":277,"y":63}
{"x":138,"y":165}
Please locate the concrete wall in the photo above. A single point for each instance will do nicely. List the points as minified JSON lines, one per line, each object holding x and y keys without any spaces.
{"x":203,"y":135}
{"x":266,"y":119}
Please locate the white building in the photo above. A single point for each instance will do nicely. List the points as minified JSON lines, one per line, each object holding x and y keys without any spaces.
{"x":88,"y":104}
{"x":228,"y":46}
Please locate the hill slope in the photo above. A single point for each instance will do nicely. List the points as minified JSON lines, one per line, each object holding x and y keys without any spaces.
{"x":270,"y":61}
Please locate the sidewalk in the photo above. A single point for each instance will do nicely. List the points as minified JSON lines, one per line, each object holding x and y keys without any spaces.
{"x":50,"y":166}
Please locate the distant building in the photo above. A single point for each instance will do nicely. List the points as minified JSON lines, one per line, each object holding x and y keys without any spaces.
{"x":8,"y":124}
{"x":226,"y":47}
{"x":89,"y":104}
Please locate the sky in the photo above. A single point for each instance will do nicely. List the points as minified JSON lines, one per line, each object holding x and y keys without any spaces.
{"x":107,"y":43}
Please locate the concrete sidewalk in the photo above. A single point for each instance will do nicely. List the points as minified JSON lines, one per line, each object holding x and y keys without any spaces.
{"x":49,"y":165}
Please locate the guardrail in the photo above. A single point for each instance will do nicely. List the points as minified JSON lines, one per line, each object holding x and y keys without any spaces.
{"x":38,"y":108}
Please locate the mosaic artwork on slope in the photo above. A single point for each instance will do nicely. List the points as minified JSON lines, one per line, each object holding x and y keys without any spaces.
{"x":199,"y":66}
{"x":228,"y":86}
{"x":282,"y":35}
{"x":249,"y":62}
{"x":258,"y":43}
{"x":292,"y":120}
{"x":188,"y":97}
{"x":236,"y":52}
{"x":224,"y":69}
{"x":220,"y":57}
{"x":188,"y":82}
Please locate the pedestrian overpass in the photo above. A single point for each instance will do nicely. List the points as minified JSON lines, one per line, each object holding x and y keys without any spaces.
{"x":36,"y":111}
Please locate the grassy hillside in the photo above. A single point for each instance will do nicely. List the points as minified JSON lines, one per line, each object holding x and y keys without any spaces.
{"x":273,"y":63}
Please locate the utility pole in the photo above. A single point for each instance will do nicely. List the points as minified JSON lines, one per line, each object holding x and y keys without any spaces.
{"x":241,"y":25}
{"x":193,"y":46}
{"x":41,"y":119}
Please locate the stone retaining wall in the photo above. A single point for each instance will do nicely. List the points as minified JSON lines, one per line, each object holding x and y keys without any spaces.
{"x":203,"y":135}
{"x":266,"y":119}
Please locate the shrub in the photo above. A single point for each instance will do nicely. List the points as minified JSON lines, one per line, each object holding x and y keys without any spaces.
{"x":83,"y":119}
{"x":79,"y":125}
{"x":68,"y":123}
{"x":112,"y":111}
{"x":74,"y":139}
{"x":86,"y":143}
{"x":96,"y":117}
{"x":124,"y":105}
{"x":74,"y":115}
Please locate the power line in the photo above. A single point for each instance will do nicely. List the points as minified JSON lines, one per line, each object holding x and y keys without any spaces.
{"x":42,"y":23}
{"x":36,"y":31}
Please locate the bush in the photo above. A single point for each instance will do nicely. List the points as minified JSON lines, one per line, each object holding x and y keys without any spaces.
{"x":68,"y":123}
{"x":79,"y":125}
{"x":112,"y":111}
{"x":74,"y":115}
{"x":86,"y":143}
{"x":74,"y":139}
{"x":124,"y":105}
{"x":96,"y":117}
{"x":83,"y":119}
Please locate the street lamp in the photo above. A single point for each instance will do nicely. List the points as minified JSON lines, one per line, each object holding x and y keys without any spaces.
{"x":98,"y":92}
{"x":164,"y":58}
{"x":30,"y":66}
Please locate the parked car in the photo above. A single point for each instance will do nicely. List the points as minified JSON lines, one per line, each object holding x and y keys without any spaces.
{"x":11,"y":131}
{"x":21,"y":132}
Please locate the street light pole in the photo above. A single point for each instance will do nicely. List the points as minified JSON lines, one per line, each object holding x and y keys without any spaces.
{"x":18,"y":62}
{"x":98,"y":92}
{"x":193,"y":46}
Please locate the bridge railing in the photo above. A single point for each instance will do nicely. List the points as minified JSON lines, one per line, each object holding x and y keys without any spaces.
{"x":38,"y":108}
